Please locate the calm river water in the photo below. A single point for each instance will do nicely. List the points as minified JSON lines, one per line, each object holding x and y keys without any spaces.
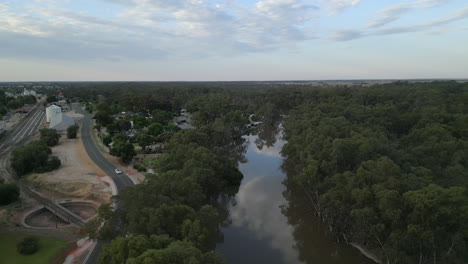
{"x":262,"y":233}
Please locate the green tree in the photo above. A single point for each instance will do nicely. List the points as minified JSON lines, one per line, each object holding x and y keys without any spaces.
{"x":176,"y":253}
{"x":49,"y":136}
{"x":123,"y":125}
{"x":33,"y":157}
{"x":9,"y":193}
{"x":112,"y":128}
{"x":2,"y":97}
{"x":106,"y":139}
{"x":13,"y":104}
{"x":122,"y":148}
{"x":3,"y":110}
{"x":28,"y":246}
{"x":51,"y":99}
{"x":161,"y":116}
{"x":144,"y":140}
{"x":72,"y":131}
{"x":155,"y":129}
{"x":30,"y":99}
{"x":140,"y":121}
{"x":103,"y":118}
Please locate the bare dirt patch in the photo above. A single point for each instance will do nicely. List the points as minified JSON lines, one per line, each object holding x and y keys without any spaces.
{"x":77,"y":177}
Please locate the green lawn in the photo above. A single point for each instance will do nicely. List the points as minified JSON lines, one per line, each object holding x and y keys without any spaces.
{"x":48,"y":248}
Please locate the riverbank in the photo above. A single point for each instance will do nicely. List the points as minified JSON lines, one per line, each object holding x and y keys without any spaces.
{"x":275,"y":227}
{"x":366,"y":252}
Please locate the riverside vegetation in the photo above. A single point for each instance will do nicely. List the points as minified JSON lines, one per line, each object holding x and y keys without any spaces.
{"x":384,"y":166}
{"x":387,"y":167}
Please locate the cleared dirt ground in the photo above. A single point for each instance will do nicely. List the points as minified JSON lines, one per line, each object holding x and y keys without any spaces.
{"x":77,"y":177}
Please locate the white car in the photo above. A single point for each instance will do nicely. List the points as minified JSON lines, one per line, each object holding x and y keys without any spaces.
{"x":118,"y":171}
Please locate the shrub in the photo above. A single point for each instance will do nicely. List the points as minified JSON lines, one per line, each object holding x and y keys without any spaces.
{"x":53,"y":163}
{"x":72,"y":131}
{"x":8,"y":193}
{"x":107,"y":139}
{"x":49,"y":136}
{"x":28,"y":246}
{"x":139,"y":167}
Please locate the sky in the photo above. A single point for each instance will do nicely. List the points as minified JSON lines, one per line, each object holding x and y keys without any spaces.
{"x":232,"y":40}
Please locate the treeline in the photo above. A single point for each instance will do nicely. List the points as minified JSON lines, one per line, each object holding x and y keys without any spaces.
{"x":386,"y":167}
{"x":174,"y":216}
{"x":3,"y":102}
{"x":178,"y":205}
{"x":151,"y":108}
{"x":172,"y":96}
{"x":7,"y":102}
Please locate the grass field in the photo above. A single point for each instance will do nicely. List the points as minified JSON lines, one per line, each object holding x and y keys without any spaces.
{"x":48,"y":248}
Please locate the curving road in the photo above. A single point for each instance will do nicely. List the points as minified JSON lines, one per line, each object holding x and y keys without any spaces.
{"x":121,"y":180}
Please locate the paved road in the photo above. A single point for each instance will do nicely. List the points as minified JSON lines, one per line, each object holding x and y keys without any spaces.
{"x":121,"y":180}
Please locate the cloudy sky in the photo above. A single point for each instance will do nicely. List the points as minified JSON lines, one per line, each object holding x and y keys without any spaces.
{"x":161,"y":40}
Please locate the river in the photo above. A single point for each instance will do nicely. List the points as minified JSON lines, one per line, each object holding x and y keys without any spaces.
{"x":262,"y":230}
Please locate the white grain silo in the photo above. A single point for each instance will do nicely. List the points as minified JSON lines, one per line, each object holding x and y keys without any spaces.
{"x":51,"y":111}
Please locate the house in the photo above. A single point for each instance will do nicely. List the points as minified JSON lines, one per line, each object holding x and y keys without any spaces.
{"x":184,"y":121}
{"x":184,"y":126}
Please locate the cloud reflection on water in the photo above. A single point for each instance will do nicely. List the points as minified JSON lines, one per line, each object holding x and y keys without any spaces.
{"x":259,"y":200}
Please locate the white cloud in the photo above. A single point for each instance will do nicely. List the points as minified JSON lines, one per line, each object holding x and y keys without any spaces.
{"x":187,"y":29}
{"x":178,"y":28}
{"x":393,"y":13}
{"x":336,"y":6}
{"x":436,"y":25}
{"x":258,"y":209}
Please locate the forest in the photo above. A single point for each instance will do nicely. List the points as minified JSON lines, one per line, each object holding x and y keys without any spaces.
{"x":384,"y":166}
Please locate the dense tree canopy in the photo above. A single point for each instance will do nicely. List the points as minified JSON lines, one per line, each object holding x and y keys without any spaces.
{"x":161,"y":116}
{"x":33,"y":157}
{"x":386,"y":167}
{"x":122,"y":148}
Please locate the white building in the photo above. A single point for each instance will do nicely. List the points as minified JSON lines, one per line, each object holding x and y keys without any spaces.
{"x":52,"y":111}
{"x":61,"y":122}
{"x":29,"y":92}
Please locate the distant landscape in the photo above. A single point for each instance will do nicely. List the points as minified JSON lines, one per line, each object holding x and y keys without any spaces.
{"x":234,"y":132}
{"x":159,"y":169}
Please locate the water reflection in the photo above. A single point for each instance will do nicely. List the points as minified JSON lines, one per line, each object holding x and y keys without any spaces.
{"x":267,"y":228}
{"x":256,"y":218}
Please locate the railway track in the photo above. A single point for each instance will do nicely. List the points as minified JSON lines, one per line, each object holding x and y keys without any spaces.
{"x":17,"y":136}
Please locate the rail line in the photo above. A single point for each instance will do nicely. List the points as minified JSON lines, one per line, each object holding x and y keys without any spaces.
{"x":17,"y":136}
